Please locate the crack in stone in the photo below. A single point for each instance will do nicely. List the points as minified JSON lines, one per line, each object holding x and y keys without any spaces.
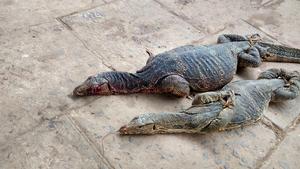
{"x":90,"y":141}
{"x":85,"y":45}
{"x":280,"y":135}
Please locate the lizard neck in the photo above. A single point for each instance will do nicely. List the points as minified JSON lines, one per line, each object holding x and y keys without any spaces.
{"x":124,"y":82}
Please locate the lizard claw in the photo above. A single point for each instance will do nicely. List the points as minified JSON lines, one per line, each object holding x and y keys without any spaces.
{"x":189,"y":97}
{"x":228,"y":103}
{"x":229,"y":99}
{"x":253,"y":38}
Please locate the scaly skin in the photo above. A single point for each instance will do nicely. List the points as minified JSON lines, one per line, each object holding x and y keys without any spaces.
{"x":198,"y":68}
{"x":278,"y":53}
{"x":237,"y":104}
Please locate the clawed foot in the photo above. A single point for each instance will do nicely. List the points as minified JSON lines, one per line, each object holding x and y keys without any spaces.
{"x":228,"y":100}
{"x":228,"y":103}
{"x":253,"y":38}
{"x":189,"y":97}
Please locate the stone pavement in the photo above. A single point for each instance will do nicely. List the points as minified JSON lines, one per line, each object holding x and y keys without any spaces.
{"x":49,"y":47}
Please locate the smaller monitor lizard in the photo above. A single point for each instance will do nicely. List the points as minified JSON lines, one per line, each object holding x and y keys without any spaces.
{"x":237,"y":104}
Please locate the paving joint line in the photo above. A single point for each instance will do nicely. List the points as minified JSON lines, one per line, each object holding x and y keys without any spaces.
{"x":92,"y":144}
{"x":268,"y":34}
{"x":284,"y":132}
{"x":85,"y":45}
{"x":40,"y":123}
{"x":86,"y":8}
{"x":109,"y":2}
{"x":293,"y":124}
{"x":75,"y":125}
{"x":280,"y":135}
{"x":59,"y":19}
{"x":46,"y":119}
{"x":175,"y":14}
{"x":191,"y":24}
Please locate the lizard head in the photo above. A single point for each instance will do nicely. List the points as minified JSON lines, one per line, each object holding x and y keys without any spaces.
{"x":144,"y":124}
{"x":159,"y":123}
{"x":93,"y":86}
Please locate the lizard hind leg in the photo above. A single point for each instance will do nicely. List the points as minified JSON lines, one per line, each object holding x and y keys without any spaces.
{"x":175,"y":85}
{"x":226,"y":98}
{"x":292,"y":87}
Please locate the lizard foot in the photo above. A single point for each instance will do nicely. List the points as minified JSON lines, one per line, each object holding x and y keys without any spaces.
{"x":228,"y":100}
{"x":254,"y":38}
{"x":189,"y":97}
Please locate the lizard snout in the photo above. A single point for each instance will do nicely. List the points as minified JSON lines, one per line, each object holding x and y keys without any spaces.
{"x":123,"y":129}
{"x":93,"y":86}
{"x":81,"y":90}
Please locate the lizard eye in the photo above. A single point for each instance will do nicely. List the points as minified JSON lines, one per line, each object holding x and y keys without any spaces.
{"x":154,"y":127}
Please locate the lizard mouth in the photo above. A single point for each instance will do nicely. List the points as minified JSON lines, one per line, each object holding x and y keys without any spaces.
{"x":81,"y":90}
{"x":93,"y":86}
{"x":85,"y":88}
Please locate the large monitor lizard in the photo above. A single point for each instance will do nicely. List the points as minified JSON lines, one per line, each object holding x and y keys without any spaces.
{"x":198,"y":68}
{"x":237,"y":104}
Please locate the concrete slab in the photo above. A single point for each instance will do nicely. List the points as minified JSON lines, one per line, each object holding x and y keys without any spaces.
{"x":108,"y":113}
{"x":287,"y":154}
{"x":121,"y":31}
{"x":40,"y":67}
{"x":211,"y":16}
{"x":280,"y":19}
{"x":240,"y":148}
{"x":17,"y":14}
{"x":55,"y":144}
{"x":234,"y":149}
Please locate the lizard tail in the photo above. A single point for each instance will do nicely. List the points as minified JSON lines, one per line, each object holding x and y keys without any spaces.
{"x":279,"y":53}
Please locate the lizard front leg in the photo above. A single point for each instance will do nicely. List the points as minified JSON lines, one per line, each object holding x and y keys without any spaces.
{"x":225,"y":38}
{"x":226,"y":97}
